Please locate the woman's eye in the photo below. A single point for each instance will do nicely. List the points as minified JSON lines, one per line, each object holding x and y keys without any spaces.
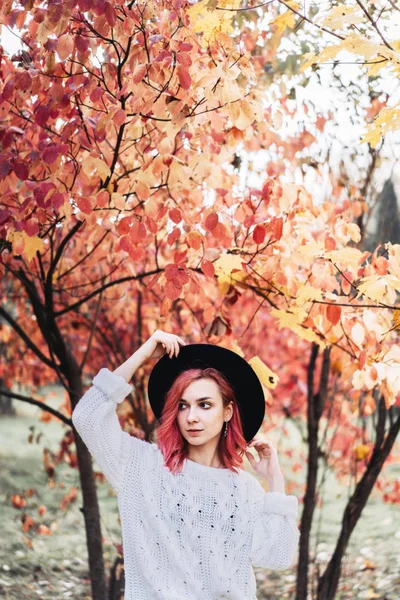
{"x":201,"y":403}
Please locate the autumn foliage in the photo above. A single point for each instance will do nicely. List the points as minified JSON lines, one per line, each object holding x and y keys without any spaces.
{"x":120,"y":127}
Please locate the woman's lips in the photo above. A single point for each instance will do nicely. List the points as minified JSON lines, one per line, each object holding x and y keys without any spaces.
{"x":194,"y":432}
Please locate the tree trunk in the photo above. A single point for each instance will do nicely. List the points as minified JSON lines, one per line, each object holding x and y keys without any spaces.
{"x":90,"y":509}
{"x":315,"y":407}
{"x":6,"y":405}
{"x":117,"y":580}
{"x":328,"y":582}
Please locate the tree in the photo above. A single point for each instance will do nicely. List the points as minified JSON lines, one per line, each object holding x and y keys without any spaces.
{"x":118,"y":173}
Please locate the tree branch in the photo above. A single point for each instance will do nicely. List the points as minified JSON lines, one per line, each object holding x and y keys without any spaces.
{"x":38,"y":403}
{"x":26,"y":338}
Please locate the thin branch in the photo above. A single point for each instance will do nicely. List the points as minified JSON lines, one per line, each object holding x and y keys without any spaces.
{"x":18,"y":329}
{"x":38,"y":403}
{"x":104,"y":287}
{"x":374,"y":24}
{"x":310,"y":21}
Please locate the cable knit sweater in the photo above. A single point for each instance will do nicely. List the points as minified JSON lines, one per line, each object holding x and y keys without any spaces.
{"x":196,"y":535}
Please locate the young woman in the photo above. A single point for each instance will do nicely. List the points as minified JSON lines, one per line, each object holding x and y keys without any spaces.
{"x":193,"y":524}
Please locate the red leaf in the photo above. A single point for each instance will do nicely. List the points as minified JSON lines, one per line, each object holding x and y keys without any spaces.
{"x":4,"y":215}
{"x":211,"y":221}
{"x":180,"y":256}
{"x":125,"y":244}
{"x":333,"y":313}
{"x":173,"y":236}
{"x":110,"y":15}
{"x":277,"y":228}
{"x":21,"y":170}
{"x":184,"y":59}
{"x":362,"y":358}
{"x":120,"y":117}
{"x":152,"y":281}
{"x":207,"y":267}
{"x":171,"y":290}
{"x":171,"y":271}
{"x":184,"y":78}
{"x":139,"y":73}
{"x":138,"y":232}
{"x":330,"y":243}
{"x":151,"y":224}
{"x":57,"y":199}
{"x":259,"y":234}
{"x":124,"y":225}
{"x":85,"y":205}
{"x":82,"y":43}
{"x":175,"y":215}
{"x":51,"y":153}
{"x":102,"y":198}
{"x":5,"y":168}
{"x":185,"y":46}
{"x":137,"y":253}
{"x":182,"y":278}
{"x":41,"y":116}
{"x":32,"y":227}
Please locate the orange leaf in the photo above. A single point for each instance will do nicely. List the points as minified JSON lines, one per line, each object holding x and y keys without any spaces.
{"x":259,"y":234}
{"x":333,"y":313}
{"x":207,"y":267}
{"x":171,"y":290}
{"x":211,"y":221}
{"x":175,"y":215}
{"x":184,"y":78}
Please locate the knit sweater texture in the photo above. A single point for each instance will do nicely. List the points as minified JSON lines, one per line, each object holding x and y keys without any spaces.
{"x":195,"y":535}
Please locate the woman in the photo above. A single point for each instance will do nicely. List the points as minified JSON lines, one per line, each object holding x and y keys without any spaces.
{"x":193,"y":526}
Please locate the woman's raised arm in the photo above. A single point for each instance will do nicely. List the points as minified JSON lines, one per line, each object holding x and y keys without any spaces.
{"x":95,"y":417}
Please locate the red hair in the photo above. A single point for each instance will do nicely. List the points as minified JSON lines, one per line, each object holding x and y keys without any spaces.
{"x":173,"y":445}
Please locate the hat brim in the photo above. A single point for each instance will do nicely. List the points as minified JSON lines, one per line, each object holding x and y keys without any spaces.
{"x":246,"y":386}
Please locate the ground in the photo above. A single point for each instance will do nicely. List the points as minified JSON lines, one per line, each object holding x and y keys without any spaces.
{"x":55,"y":567}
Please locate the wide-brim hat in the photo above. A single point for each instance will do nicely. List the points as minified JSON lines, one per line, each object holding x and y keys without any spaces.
{"x":246,"y":386}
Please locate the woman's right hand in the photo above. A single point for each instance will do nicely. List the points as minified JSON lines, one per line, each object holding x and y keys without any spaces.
{"x":164,"y":342}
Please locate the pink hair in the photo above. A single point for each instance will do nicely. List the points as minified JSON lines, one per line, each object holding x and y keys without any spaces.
{"x":170,"y":440}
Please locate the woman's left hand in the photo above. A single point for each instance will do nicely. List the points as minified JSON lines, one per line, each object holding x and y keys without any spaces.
{"x":268,"y":465}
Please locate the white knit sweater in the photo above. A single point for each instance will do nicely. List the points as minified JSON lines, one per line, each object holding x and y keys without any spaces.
{"x":195,"y":535}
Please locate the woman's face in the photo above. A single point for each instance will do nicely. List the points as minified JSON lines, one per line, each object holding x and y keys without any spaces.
{"x":201,"y":407}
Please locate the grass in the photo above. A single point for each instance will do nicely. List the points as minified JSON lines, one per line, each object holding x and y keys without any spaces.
{"x":55,"y":566}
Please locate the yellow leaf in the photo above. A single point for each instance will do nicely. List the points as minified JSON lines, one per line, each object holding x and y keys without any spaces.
{"x":293,"y":321}
{"x":376,"y":286}
{"x":361,"y":451}
{"x":227,"y":262}
{"x":387,"y":120}
{"x":224,"y":266}
{"x":342,"y":15}
{"x":91,"y":163}
{"x":32,"y":245}
{"x":306,"y":293}
{"x":236,"y":348}
{"x":264,"y":373}
{"x":24,"y":243}
{"x":349,"y":257}
{"x":396,"y":319}
{"x":286,"y":19}
{"x":211,"y":22}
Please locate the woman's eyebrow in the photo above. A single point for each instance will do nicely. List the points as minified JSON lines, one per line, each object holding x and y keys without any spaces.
{"x":198,"y":399}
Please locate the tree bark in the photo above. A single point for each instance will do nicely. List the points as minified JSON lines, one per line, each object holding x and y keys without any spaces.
{"x":328,"y":582}
{"x":90,"y":509}
{"x":315,"y":407}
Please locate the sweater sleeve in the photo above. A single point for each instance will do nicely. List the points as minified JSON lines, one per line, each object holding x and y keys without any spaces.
{"x":275,"y":534}
{"x":95,"y":419}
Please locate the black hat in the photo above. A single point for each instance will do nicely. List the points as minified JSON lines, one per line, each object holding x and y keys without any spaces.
{"x":241,"y":376}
